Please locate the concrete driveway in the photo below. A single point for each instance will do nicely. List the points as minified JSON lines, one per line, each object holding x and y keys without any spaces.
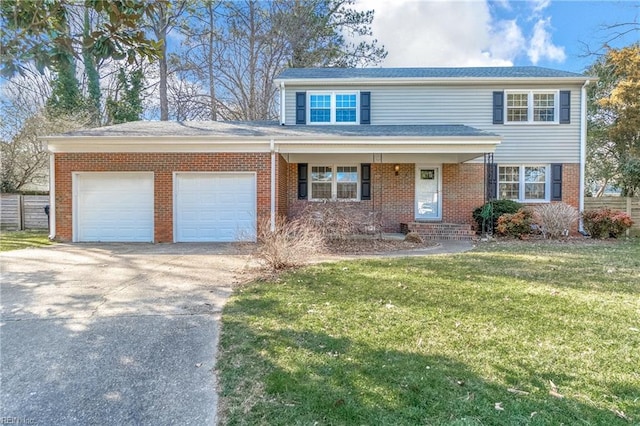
{"x":120,"y":334}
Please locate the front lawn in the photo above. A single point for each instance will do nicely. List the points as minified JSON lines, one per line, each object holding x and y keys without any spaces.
{"x":14,"y":240}
{"x":503,"y":335}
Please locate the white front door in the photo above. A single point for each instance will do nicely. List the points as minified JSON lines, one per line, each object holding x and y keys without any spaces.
{"x":428,"y":190}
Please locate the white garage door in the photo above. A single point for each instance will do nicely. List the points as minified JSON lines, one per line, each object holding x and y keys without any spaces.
{"x":113,"y":207}
{"x":215,"y":207}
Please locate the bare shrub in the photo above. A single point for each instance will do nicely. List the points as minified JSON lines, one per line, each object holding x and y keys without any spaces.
{"x":292,"y":243}
{"x":338,"y":220}
{"x":555,"y":220}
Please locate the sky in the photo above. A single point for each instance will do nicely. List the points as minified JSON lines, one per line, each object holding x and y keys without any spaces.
{"x":547,"y":33}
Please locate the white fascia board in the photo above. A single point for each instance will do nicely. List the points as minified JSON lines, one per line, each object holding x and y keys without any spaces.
{"x":389,"y":148}
{"x":154,"y":144}
{"x":436,"y":81}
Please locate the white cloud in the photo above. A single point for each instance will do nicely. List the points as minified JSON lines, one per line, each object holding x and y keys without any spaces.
{"x":442,"y":33}
{"x":541,"y":46}
{"x":540,"y":5}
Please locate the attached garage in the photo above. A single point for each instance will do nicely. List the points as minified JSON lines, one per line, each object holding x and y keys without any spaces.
{"x":217,"y":207}
{"x":113,"y":206}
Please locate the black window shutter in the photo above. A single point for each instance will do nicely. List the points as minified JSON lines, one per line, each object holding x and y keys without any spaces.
{"x":365,"y":107}
{"x":301,"y":107}
{"x":565,"y":107}
{"x":498,"y":107}
{"x":492,"y":181}
{"x":365,"y":181}
{"x":556,"y":182}
{"x":302,"y":181}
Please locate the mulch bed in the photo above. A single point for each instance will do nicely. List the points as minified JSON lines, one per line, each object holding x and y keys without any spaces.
{"x":372,"y":246}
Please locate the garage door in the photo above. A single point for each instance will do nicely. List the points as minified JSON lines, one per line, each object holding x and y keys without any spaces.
{"x":113,"y":207}
{"x":215,"y":206}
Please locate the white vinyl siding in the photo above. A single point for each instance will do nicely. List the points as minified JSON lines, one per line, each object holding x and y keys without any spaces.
{"x":471,"y":106}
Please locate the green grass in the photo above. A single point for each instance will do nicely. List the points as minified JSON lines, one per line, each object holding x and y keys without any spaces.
{"x":14,"y":240}
{"x":441,"y":340}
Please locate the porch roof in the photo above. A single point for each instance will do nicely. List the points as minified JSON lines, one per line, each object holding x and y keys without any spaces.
{"x":263,"y":136}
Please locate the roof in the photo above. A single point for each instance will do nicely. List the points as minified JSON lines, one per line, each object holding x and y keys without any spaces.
{"x":528,"y":72}
{"x":268,"y":130}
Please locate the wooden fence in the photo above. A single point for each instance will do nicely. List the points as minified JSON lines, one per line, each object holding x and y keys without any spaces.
{"x":20,"y":212}
{"x":630,"y":205}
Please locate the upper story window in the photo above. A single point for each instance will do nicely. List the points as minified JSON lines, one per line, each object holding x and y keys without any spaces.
{"x":333,"y":107}
{"x":531,"y":107}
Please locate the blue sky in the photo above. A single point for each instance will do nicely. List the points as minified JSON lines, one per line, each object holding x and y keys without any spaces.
{"x":546,"y":33}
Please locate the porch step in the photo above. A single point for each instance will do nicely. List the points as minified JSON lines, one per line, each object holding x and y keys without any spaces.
{"x":442,"y":231}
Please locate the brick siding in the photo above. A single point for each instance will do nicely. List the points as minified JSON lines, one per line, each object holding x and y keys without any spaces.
{"x":163,"y":165}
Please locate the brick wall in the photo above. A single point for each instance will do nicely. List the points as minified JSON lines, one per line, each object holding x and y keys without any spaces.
{"x":462,"y":191}
{"x":162,"y":165}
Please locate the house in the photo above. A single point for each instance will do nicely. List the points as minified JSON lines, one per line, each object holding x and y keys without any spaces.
{"x":420,"y":147}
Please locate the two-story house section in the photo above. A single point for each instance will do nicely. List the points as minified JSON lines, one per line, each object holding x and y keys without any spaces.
{"x":419,"y":148}
{"x":532,"y":117}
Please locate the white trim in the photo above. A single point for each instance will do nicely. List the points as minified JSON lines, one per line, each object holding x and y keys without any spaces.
{"x":273,"y":187}
{"x":282,"y":104}
{"x":583,"y":149}
{"x":52,"y":196}
{"x":332,"y":107}
{"x":438,"y":167}
{"x":530,"y":107}
{"x":334,"y":181}
{"x":401,"y":81}
{"x":522,"y":183}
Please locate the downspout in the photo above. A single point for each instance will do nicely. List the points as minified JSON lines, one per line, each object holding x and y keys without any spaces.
{"x":273,"y":184}
{"x":583,"y":149}
{"x":52,"y":197}
{"x":282,"y":105}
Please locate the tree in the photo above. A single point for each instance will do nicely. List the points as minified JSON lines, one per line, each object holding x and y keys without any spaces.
{"x":315,"y":33}
{"x":162,"y":21}
{"x":126,"y":104}
{"x":25,"y":159}
{"x":614,"y":119}
{"x":38,"y":32}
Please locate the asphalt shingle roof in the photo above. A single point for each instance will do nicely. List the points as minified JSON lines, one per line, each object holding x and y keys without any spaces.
{"x":418,"y":73}
{"x":270,"y":129}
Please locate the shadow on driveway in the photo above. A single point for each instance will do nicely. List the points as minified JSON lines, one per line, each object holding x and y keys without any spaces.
{"x":118,"y":333}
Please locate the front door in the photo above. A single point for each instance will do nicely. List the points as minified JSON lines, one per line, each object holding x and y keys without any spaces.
{"x":428,"y":189}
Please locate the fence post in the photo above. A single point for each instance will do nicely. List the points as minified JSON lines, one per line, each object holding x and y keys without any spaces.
{"x":628,"y":232}
{"x":21,"y":215}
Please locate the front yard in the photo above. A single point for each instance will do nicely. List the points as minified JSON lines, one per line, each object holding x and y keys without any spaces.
{"x":526,"y":333}
{"x":14,"y":240}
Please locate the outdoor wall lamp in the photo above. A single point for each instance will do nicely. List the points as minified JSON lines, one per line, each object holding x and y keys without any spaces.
{"x":396,"y":168}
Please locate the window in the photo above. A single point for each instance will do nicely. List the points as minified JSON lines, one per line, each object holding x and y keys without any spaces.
{"x":531,"y":107}
{"x":331,"y":108}
{"x":320,"y":108}
{"x":523,"y":183}
{"x":334,"y":182}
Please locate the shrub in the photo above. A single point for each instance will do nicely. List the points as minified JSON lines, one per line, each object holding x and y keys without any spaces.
{"x":494,"y":209}
{"x":604,"y":223}
{"x":292,"y":243}
{"x":555,"y":220}
{"x":413,"y":237}
{"x":516,"y":224}
{"x":339,"y":220}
